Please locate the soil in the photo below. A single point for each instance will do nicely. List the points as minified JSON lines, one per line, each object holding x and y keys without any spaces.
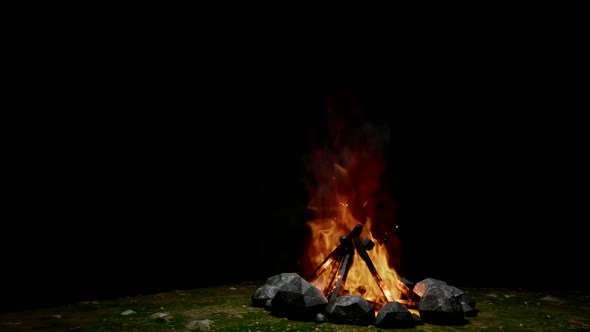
{"x":228,"y":308}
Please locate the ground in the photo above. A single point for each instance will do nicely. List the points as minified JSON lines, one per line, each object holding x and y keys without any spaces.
{"x":228,"y":308}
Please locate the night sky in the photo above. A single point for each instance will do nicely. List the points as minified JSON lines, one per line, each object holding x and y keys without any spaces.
{"x":156,"y":183}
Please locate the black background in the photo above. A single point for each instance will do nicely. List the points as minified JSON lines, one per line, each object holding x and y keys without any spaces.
{"x":191,"y":173}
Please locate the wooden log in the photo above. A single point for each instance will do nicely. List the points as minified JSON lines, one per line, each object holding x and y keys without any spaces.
{"x":365,"y":256}
{"x":368,"y":244}
{"x":334,"y":256}
{"x":329,"y":287}
{"x":342,"y":274}
{"x":409,"y":304}
{"x":340,"y":259}
{"x":407,"y":291}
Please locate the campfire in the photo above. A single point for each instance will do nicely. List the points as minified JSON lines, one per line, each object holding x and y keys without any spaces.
{"x":350,"y":274}
{"x":338,"y":236}
{"x":352,"y":281}
{"x":340,"y":260}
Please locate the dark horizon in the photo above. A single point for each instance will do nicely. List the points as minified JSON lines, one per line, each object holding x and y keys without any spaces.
{"x":118,"y":203}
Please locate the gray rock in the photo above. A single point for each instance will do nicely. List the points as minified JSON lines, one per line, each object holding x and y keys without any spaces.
{"x":298,"y":300}
{"x":269,"y":289}
{"x":320,"y":317}
{"x":465,"y":298}
{"x":281,"y":279}
{"x":263,"y":294}
{"x":468,"y":304}
{"x":468,"y":310}
{"x":394,"y":315}
{"x":268,"y":304}
{"x":417,"y":320}
{"x":438,"y":306}
{"x":421,"y":286}
{"x":454,"y":291}
{"x":466,"y":301}
{"x":350,"y":310}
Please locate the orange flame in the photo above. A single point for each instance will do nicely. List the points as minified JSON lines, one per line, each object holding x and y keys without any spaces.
{"x":326,"y":231}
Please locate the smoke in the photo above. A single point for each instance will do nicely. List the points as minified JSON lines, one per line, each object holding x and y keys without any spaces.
{"x":350,"y":135}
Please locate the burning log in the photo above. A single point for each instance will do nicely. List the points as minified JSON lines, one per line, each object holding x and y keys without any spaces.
{"x":368,"y":244}
{"x":413,"y":298}
{"x":332,"y":258}
{"x":409,"y":304}
{"x":341,"y":257}
{"x":342,"y":273}
{"x":337,"y":254}
{"x":365,"y":256}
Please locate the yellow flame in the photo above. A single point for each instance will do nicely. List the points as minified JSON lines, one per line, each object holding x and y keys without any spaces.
{"x":326,"y":233}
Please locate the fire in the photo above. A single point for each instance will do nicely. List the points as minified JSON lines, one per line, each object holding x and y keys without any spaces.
{"x":341,"y":201}
{"x":335,"y":220}
{"x":345,"y":189}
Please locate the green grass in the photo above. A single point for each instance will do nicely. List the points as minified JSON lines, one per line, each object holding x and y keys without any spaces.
{"x":228,"y":308}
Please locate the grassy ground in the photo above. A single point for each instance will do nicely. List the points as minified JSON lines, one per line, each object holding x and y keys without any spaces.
{"x":228,"y":308}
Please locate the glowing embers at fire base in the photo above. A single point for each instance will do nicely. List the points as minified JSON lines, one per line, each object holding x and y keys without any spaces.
{"x":347,"y":259}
